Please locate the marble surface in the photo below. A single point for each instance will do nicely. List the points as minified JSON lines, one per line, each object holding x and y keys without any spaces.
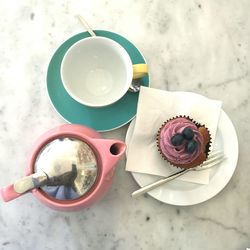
{"x":200,"y":46}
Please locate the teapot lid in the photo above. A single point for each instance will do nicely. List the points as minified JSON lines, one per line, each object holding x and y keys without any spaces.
{"x":70,"y":166}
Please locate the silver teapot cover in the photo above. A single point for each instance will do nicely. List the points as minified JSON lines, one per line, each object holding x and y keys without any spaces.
{"x":70,"y":166}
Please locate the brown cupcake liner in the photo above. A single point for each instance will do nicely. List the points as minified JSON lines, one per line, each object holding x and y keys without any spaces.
{"x":189,"y":165}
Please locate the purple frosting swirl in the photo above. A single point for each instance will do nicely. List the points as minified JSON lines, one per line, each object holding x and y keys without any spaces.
{"x":177,"y":155}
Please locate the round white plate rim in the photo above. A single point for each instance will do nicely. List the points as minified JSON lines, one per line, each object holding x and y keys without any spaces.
{"x":203,"y":192}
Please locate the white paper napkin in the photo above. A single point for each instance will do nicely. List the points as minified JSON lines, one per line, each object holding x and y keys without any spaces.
{"x":154,"y":108}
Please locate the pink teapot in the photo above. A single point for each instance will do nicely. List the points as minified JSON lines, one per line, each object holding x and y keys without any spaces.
{"x":70,"y":167}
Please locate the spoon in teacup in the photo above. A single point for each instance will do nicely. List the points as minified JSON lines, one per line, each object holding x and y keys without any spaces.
{"x":136,"y":83}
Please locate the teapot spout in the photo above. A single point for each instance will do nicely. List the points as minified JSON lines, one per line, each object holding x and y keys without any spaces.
{"x":111,"y":151}
{"x":117,"y":148}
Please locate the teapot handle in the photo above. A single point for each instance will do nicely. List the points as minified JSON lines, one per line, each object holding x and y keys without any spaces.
{"x":8,"y":193}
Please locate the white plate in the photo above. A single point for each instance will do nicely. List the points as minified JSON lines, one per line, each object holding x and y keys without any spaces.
{"x":182,"y":193}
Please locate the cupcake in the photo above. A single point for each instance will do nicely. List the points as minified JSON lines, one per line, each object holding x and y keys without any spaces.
{"x":183,"y":142}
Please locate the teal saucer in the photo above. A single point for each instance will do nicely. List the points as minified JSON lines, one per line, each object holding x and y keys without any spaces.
{"x":101,"y":119}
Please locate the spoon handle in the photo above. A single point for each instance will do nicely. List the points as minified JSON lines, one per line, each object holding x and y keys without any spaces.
{"x":158,"y":183}
{"x":86,"y":25}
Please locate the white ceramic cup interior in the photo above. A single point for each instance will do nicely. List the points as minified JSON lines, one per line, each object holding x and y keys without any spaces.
{"x":96,"y":71}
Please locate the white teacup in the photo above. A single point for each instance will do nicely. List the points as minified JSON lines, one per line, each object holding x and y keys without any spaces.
{"x":97,"y":71}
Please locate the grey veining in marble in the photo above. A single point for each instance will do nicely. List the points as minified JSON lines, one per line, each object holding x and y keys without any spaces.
{"x":197,"y":45}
